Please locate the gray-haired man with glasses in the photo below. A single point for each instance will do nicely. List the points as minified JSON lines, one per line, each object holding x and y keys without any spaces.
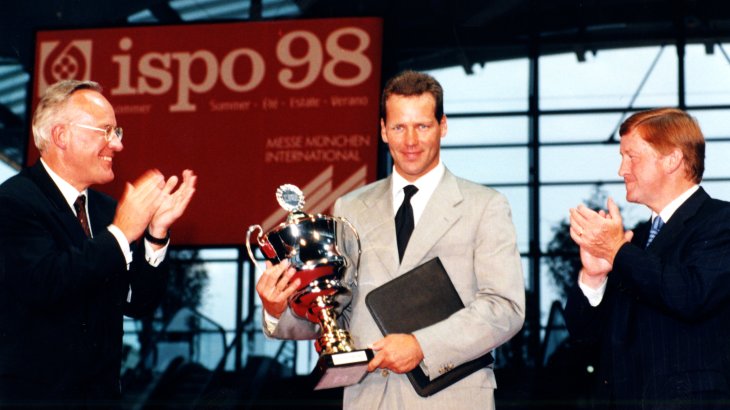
{"x":72,"y":260}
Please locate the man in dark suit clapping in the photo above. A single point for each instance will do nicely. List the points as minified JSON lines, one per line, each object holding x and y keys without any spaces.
{"x":67,"y":270}
{"x":656,"y":302}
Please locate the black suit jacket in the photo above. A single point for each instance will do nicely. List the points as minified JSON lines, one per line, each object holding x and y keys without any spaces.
{"x":62,"y":296}
{"x":663,"y":326}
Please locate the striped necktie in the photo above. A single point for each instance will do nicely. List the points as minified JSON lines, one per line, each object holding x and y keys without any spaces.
{"x":656,"y":225}
{"x":80,"y":207}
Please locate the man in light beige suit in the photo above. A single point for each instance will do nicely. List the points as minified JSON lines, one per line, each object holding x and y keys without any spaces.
{"x":468,"y":226}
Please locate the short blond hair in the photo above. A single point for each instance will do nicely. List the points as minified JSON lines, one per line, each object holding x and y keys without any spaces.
{"x":411,"y":83}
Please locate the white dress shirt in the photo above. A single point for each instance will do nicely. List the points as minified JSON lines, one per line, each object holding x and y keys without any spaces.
{"x":426,"y":184}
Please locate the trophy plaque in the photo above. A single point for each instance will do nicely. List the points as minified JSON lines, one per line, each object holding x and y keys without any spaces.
{"x":309,"y":242}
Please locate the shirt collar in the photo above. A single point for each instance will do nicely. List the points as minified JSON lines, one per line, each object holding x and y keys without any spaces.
{"x":427,"y":183}
{"x":67,"y":190}
{"x":672,"y":207}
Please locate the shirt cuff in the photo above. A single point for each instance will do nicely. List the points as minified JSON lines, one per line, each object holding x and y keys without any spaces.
{"x":122,"y":241}
{"x":154,"y":257}
{"x":270,"y":322}
{"x":595,"y":296}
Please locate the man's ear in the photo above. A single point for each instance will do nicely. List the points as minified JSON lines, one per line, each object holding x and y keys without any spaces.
{"x":60,"y":136}
{"x":673,"y":161}
{"x":444,"y":126}
{"x":383,"y":134}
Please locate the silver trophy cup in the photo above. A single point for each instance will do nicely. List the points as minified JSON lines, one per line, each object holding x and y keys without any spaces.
{"x":309,"y":242}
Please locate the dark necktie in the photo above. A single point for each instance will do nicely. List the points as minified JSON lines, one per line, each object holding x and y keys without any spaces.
{"x":656,"y":225}
{"x":404,"y":220}
{"x":80,"y":207}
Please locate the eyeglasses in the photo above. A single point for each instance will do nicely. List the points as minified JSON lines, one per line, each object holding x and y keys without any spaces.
{"x":109,"y":131}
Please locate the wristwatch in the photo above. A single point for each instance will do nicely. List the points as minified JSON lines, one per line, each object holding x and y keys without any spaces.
{"x":156,"y":241}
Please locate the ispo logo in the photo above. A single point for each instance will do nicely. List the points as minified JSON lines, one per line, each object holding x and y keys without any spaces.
{"x":58,"y":61}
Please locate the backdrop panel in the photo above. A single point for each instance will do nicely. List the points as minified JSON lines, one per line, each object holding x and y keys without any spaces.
{"x":247,"y":106}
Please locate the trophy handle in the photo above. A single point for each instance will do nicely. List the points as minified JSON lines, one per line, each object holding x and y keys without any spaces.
{"x":359,"y":247}
{"x":265,"y":246}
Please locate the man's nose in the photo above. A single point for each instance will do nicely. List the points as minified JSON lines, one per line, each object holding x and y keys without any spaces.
{"x":411,"y":136}
{"x":116,"y":144}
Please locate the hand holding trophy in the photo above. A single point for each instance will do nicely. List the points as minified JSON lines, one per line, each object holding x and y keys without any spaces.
{"x":309,"y":242}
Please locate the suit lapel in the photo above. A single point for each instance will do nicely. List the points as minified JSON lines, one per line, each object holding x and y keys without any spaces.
{"x":641,"y":233}
{"x":58,"y":205}
{"x":438,"y":216}
{"x":99,"y":216}
{"x":668,"y":234}
{"x":376,"y":223}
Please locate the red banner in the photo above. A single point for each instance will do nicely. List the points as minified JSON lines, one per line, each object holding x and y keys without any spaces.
{"x":247,"y":106}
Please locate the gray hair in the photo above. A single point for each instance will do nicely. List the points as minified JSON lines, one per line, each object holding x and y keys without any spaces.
{"x":51,"y":104}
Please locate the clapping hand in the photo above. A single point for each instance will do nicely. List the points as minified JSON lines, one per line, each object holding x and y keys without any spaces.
{"x":173,"y":204}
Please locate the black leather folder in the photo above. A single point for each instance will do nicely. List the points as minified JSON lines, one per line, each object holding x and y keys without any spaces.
{"x":414,"y":300}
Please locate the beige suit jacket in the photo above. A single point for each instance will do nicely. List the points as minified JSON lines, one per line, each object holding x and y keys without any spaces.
{"x":469,"y":227}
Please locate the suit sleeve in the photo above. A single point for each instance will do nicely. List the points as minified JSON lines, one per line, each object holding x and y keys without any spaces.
{"x":691,"y":279}
{"x":497,"y":310}
{"x":146,"y":283}
{"x":38,"y":261}
{"x":583,"y":321}
{"x":293,"y":327}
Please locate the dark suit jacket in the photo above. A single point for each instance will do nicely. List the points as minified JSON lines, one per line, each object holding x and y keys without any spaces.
{"x":62,"y":296}
{"x":663,"y":325}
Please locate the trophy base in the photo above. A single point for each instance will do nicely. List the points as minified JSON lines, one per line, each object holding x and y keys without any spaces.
{"x":341,"y":369}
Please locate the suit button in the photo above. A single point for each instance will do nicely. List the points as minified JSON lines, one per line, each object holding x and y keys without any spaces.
{"x":384,"y":372}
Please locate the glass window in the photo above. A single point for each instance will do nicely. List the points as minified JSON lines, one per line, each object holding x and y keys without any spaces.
{"x":219,"y":253}
{"x":219,"y":297}
{"x":13,"y":83}
{"x":718,"y":190}
{"x":6,"y":171}
{"x":580,"y":163}
{"x":609,"y":78}
{"x":486,"y":130}
{"x":707,"y":74}
{"x":550,"y":291}
{"x":716,"y":159}
{"x":495,"y":87}
{"x":580,"y":127}
{"x":488,"y":165}
{"x":714,"y":123}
